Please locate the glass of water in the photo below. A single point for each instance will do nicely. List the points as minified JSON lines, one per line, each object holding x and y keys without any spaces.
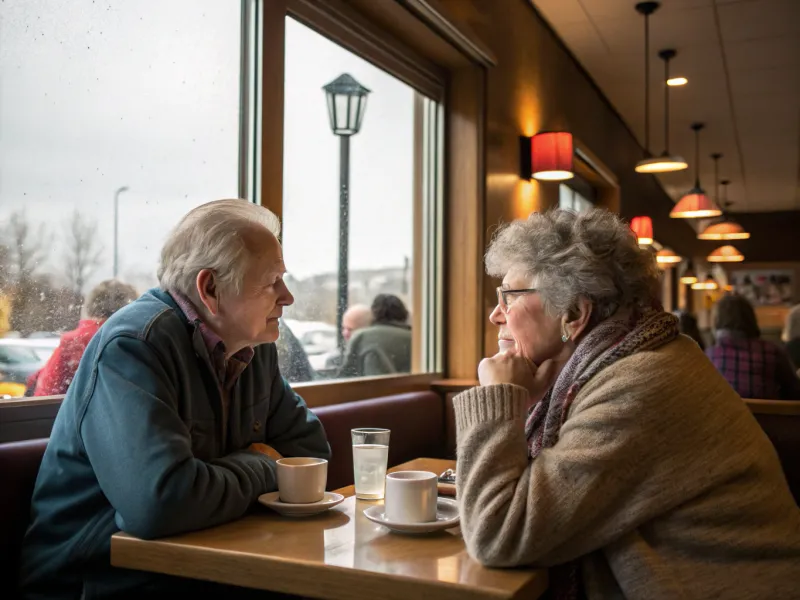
{"x":370,"y":456}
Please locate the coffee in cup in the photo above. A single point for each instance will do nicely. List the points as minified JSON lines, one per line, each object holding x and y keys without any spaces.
{"x":302,"y":480}
{"x":411,"y":497}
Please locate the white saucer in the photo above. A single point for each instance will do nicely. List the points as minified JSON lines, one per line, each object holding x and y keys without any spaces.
{"x":272,"y":500}
{"x":446,"y":518}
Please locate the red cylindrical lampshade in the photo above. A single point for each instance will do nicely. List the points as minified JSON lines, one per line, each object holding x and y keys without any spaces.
{"x":643,"y":228}
{"x":551,"y":156}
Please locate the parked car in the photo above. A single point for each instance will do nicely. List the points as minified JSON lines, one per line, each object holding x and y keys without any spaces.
{"x":17,"y":363}
{"x":42,"y":347}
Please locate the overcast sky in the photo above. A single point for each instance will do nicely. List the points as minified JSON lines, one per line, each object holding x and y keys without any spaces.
{"x":99,"y":95}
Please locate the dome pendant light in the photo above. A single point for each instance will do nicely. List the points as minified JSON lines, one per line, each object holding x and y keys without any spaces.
{"x":727,"y":229}
{"x":725,"y":254}
{"x":695,"y":204}
{"x":666,"y":163}
{"x":709,"y":284}
{"x":689,"y":277}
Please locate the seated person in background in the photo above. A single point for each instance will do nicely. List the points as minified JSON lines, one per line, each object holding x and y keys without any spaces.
{"x":602,"y":443}
{"x":103,"y":301}
{"x":755,"y":368}
{"x":687,"y":325}
{"x":791,"y":335}
{"x":356,"y":317}
{"x":385,"y":346}
{"x":165,"y":426}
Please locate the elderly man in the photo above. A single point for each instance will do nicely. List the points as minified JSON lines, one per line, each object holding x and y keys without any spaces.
{"x":176,"y":413}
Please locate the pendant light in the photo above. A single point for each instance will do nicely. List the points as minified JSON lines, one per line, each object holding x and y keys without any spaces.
{"x":667,"y":257}
{"x":666,"y":163}
{"x":725,"y":254}
{"x":695,"y":204}
{"x":689,"y":277}
{"x":709,"y":284}
{"x":727,"y":229}
{"x":643,"y":228}
{"x":646,"y":9}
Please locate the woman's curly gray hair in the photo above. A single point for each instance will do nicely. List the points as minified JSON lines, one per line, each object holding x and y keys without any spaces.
{"x":592,"y":254}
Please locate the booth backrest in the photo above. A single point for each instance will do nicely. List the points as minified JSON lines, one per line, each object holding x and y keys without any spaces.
{"x":19,"y":465}
{"x":780,"y":420}
{"x":416,"y":421}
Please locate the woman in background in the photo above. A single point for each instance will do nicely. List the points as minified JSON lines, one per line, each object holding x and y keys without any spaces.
{"x":755,"y":368}
{"x":103,"y":301}
{"x":687,"y":325}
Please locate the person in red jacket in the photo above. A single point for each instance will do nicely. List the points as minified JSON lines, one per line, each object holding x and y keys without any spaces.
{"x":103,"y":301}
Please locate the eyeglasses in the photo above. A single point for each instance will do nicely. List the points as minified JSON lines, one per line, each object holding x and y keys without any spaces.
{"x":503,"y":296}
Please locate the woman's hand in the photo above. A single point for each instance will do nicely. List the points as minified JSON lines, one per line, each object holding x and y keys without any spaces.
{"x":510,"y":367}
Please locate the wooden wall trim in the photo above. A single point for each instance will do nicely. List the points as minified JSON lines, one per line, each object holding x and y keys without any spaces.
{"x":349,"y":28}
{"x":467,"y":43}
{"x":342,"y":391}
{"x":271,"y":102}
{"x":465,"y":218}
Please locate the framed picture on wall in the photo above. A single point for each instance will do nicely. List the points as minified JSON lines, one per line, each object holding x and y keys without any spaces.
{"x":764,"y":287}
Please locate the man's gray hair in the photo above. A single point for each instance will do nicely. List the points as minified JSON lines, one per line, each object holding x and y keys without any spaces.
{"x":211,"y":236}
{"x":592,"y":254}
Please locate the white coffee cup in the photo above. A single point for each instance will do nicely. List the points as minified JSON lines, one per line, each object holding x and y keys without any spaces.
{"x":302,"y":480}
{"x":411,"y":497}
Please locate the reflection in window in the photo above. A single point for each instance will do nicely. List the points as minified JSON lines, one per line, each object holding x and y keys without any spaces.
{"x":368,"y":331}
{"x":117,"y":117}
{"x":570,"y":199}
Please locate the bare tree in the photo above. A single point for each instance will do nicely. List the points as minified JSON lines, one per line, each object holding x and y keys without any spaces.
{"x":84,"y":252}
{"x":27,"y":246}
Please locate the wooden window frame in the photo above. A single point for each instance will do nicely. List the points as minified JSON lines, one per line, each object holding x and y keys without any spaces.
{"x":430,"y":41}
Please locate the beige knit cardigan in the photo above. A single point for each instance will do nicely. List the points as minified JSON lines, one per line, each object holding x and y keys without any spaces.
{"x":662,"y":484}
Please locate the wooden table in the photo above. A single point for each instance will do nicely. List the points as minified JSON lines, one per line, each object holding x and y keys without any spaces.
{"x":339,"y":554}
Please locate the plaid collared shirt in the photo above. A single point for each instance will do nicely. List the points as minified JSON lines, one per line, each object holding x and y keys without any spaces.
{"x":755,"y":368}
{"x":226,"y":371}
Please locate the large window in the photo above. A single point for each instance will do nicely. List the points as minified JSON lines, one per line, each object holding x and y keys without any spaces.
{"x":116,"y":118}
{"x":355,"y":174}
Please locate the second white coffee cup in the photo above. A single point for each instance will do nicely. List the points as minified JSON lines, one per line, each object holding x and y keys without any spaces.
{"x":411,"y":497}
{"x":302,"y":480}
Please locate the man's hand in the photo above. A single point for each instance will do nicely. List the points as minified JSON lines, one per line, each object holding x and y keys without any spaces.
{"x":265,"y":450}
{"x":510,"y":367}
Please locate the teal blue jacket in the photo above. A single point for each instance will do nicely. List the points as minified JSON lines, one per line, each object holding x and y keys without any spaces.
{"x":138,"y":446}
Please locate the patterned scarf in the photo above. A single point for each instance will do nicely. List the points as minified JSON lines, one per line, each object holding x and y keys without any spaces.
{"x":611,"y":340}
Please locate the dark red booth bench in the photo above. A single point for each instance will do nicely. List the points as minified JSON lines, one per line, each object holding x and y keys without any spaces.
{"x":417,"y":421}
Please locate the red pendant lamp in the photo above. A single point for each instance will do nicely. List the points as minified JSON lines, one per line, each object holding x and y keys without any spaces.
{"x":643,"y":228}
{"x":696,"y":204}
{"x":551,"y":156}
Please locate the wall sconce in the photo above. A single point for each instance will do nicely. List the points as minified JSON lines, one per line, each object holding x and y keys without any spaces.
{"x":547,"y":156}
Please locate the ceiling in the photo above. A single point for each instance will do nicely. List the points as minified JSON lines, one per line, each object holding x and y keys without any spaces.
{"x":742,"y":59}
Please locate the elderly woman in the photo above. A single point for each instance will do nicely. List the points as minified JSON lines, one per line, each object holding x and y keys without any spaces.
{"x":755,"y":368}
{"x":602,"y":443}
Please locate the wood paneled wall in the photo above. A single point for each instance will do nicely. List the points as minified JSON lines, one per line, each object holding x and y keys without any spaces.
{"x":537,"y":84}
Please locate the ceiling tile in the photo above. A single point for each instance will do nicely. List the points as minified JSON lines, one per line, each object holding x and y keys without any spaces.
{"x":765,"y":81}
{"x":762,"y":53}
{"x":753,"y":20}
{"x":562,"y":12}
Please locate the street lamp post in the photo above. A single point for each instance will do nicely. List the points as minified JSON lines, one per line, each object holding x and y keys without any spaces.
{"x":347,"y":101}
{"x":124,"y":188}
